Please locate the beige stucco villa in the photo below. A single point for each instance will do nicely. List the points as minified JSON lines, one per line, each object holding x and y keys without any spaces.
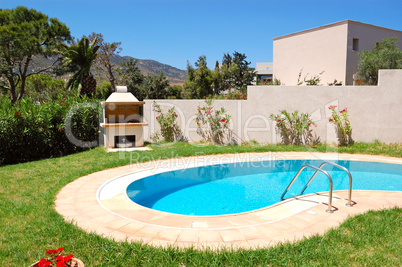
{"x":332,"y":49}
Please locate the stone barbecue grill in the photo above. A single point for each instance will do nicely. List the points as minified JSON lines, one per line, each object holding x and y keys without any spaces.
{"x":123,"y":126}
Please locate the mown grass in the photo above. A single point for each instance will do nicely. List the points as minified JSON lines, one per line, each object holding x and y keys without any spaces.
{"x":29,"y":225}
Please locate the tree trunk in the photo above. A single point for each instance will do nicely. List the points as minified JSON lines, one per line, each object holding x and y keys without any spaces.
{"x":111,"y":77}
{"x":13,"y":95}
{"x":23,"y":78}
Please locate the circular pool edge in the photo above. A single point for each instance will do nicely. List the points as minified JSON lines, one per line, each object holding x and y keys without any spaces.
{"x":77,"y":202}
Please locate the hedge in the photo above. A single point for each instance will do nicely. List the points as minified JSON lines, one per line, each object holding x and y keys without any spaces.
{"x":31,"y":130}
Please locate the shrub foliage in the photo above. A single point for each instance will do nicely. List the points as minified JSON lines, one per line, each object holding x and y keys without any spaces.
{"x":32,"y":131}
{"x":294,"y":127}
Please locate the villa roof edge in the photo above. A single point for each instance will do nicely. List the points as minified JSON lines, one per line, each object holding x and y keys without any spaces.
{"x":330,"y":26}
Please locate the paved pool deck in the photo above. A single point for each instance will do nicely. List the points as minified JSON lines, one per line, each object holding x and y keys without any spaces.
{"x":118,"y":218}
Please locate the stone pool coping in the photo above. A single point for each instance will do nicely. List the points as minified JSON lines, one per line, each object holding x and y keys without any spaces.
{"x":119,"y":218}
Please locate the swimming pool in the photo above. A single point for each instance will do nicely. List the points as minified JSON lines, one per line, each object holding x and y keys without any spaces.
{"x":239,"y":187}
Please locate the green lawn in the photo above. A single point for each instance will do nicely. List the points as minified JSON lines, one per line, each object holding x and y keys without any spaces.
{"x":29,"y":224}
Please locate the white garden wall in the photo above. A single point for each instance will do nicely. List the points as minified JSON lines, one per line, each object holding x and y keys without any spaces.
{"x":375,"y":111}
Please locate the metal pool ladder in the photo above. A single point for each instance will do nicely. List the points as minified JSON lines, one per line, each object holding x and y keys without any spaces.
{"x":319,"y":169}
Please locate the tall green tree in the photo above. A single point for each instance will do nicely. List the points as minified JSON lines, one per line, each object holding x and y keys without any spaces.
{"x":203,"y":77}
{"x":189,"y":85}
{"x":384,"y":55}
{"x":106,"y":53}
{"x":133,"y":78}
{"x":217,"y":80}
{"x":79,"y":59}
{"x":237,"y":71}
{"x":155,"y":86}
{"x":199,"y":80}
{"x":25,"y":33}
{"x":174,"y":92}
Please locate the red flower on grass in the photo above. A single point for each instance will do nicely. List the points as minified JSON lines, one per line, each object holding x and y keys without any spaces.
{"x":51,"y":251}
{"x":68,"y":257}
{"x":55,"y":258}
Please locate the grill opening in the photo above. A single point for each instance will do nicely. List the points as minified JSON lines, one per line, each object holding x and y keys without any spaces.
{"x":124,"y":141}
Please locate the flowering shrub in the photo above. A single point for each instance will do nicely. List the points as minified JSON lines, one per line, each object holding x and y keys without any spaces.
{"x":31,"y":131}
{"x":233,"y":95}
{"x":55,"y":258}
{"x":294,"y":128}
{"x":215,"y":122}
{"x":343,"y":129}
{"x":170,"y":131}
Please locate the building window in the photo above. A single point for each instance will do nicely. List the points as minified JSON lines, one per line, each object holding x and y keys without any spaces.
{"x":264,"y":79}
{"x":355,"y":44}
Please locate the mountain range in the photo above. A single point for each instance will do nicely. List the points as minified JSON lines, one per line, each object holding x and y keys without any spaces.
{"x":175,"y":75}
{"x":146,"y":66}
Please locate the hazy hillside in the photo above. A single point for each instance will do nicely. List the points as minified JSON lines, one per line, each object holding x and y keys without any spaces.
{"x":175,"y":75}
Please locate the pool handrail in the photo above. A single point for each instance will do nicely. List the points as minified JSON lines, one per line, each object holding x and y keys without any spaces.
{"x":317,"y":170}
{"x":349,"y":204}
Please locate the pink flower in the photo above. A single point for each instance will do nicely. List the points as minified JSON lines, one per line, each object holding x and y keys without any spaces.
{"x":223,"y":120}
{"x":278,"y":120}
{"x":208,"y":111}
{"x":330,"y":119}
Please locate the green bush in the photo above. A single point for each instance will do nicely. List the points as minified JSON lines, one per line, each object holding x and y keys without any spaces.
{"x":44,"y":88}
{"x":170,"y":131}
{"x":294,"y":128}
{"x":32,"y":131}
{"x":342,"y":124}
{"x":213,"y":125}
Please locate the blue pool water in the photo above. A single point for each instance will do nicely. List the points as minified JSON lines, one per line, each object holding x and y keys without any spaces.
{"x":246,"y":186}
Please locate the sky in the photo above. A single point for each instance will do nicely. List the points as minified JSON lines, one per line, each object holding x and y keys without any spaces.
{"x":176,"y":31}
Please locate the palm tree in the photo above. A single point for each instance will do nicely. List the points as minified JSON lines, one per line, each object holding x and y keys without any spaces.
{"x":79,"y":58}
